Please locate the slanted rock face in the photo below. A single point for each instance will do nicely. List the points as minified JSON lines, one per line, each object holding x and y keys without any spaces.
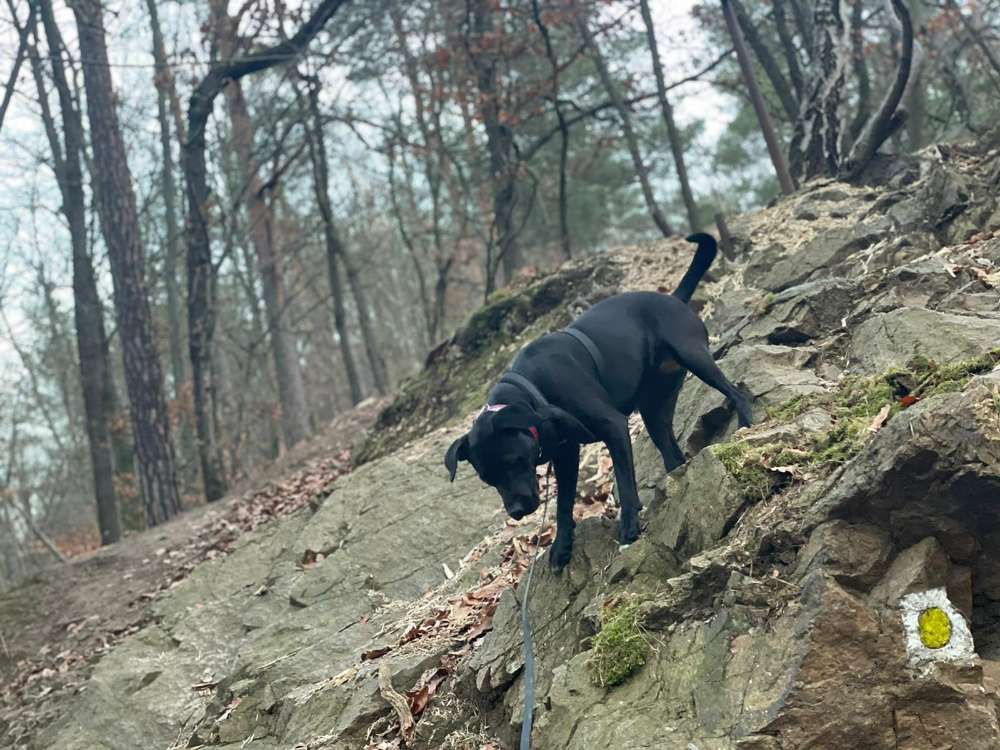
{"x":269,"y":628}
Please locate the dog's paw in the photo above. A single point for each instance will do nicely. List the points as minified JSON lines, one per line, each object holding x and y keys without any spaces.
{"x":559,"y":556}
{"x":629,"y":533}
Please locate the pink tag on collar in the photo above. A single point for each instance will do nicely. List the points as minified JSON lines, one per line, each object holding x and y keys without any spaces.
{"x":534,"y":432}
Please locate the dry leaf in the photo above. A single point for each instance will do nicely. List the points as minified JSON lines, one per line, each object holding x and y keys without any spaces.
{"x":880,"y":419}
{"x":375,"y":653}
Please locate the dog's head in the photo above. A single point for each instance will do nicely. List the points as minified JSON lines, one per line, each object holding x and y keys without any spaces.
{"x":507,"y":442}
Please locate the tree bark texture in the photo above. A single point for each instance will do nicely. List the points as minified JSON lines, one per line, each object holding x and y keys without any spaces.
{"x":120,"y":226}
{"x":88,"y":315}
{"x":814,"y":149}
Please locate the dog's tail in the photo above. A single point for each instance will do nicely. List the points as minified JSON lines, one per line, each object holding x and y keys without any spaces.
{"x":703,"y":258}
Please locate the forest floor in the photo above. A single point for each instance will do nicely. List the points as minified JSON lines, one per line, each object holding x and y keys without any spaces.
{"x":56,"y":624}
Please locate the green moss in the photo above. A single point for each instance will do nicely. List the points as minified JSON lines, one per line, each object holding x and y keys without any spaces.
{"x":789,"y":410}
{"x":854,"y":406}
{"x":747,"y":465}
{"x":621,"y":647}
{"x":948,"y":378}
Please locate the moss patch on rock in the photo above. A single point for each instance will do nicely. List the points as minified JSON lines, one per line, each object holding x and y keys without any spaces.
{"x":859,"y":406}
{"x":621,"y":646}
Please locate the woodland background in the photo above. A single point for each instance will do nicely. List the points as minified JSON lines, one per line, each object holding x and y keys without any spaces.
{"x":223,"y":224}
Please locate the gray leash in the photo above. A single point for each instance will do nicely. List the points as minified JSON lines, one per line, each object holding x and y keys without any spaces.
{"x":529,"y":653}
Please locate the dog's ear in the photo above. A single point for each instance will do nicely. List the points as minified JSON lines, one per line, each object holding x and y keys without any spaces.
{"x":458,"y":451}
{"x":567,"y":426}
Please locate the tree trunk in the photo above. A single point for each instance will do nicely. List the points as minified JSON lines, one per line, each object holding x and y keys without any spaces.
{"x":284,"y":349}
{"x":379,"y":373}
{"x":673,"y":134}
{"x":788,"y":46}
{"x":426,"y":306}
{"x":120,"y":225}
{"x":88,"y":314}
{"x":915,"y":100}
{"x":163,"y":81}
{"x":201,"y":313}
{"x":564,"y":237}
{"x":500,"y":144}
{"x":334,"y":247}
{"x":641,"y":172}
{"x":763,"y":118}
{"x":200,"y":302}
{"x":888,"y":119}
{"x":860,"y":72}
{"x":815,"y":146}
{"x":763,"y":53}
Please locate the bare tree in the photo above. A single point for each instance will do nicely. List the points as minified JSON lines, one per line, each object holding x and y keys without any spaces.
{"x":200,"y":269}
{"x":889,"y":116}
{"x":557,"y":107}
{"x":22,"y":49}
{"x":482,"y":48}
{"x":762,"y":51}
{"x":631,"y":140}
{"x":164,"y":84}
{"x":333,"y":245}
{"x":284,"y":348}
{"x":120,"y":227}
{"x":774,"y":148}
{"x":673,"y":134}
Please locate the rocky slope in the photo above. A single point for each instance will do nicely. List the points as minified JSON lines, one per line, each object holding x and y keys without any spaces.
{"x":829,"y":578}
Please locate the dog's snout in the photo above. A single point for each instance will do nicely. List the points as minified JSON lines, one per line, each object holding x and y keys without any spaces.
{"x":521,"y":507}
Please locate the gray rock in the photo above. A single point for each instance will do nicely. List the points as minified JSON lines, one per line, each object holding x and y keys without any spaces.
{"x":890,"y":339}
{"x":923,"y":566}
{"x":804,"y":312}
{"x":824,"y":250}
{"x":701,"y":504}
{"x":856,"y":554}
{"x":772,"y":375}
{"x":277,"y":652}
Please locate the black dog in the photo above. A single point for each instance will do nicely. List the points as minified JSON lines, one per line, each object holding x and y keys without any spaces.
{"x":579,"y":385}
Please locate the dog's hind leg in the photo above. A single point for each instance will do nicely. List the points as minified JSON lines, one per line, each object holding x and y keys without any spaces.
{"x":657,"y":402}
{"x":698,"y":359}
{"x":567,"y":467}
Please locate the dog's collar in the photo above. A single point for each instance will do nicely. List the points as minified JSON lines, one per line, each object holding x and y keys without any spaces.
{"x":517,"y":379}
{"x":497,"y":407}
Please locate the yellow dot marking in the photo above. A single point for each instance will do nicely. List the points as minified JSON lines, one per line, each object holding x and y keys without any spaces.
{"x":935,"y":627}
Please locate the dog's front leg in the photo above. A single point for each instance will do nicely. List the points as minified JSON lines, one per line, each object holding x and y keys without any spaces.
{"x":566,"y":463}
{"x":619,"y":444}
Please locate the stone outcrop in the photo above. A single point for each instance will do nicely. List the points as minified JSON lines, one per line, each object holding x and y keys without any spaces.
{"x":781,"y":595}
